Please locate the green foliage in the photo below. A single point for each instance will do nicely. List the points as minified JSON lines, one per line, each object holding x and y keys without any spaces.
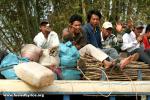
{"x":19,"y":19}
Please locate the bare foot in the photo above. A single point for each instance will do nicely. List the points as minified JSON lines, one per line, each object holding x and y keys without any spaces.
{"x":135,"y":57}
{"x":128,"y":60}
{"x":125,"y":62}
{"x":107,"y":64}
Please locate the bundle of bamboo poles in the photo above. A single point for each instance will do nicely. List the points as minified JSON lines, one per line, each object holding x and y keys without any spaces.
{"x":92,"y":70}
{"x":131,"y":72}
{"x":90,"y":67}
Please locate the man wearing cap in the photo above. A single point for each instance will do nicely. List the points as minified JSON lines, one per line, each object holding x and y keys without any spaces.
{"x":109,"y":40}
{"x":46,"y":38}
{"x":132,"y":40}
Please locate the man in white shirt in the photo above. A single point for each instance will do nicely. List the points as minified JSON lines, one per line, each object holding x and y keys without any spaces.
{"x":47,"y":38}
{"x":131,"y":43}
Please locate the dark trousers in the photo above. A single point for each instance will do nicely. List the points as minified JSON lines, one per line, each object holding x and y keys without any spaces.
{"x":143,"y":55}
{"x":147,"y":51}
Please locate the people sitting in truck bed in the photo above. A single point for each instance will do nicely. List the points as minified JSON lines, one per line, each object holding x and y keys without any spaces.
{"x":132,"y":43}
{"x":78,"y":38}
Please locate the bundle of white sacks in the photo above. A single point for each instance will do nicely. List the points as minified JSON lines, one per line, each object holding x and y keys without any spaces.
{"x":37,"y":73}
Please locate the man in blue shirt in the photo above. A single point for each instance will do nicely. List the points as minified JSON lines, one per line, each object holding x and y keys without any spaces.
{"x":92,"y":28}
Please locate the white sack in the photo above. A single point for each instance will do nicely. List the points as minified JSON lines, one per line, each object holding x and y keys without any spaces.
{"x":32,"y":52}
{"x":34,"y":74}
{"x":49,"y":58}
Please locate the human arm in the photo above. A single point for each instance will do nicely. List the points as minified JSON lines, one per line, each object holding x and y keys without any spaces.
{"x":39,"y":40}
{"x":146,"y":42}
{"x":140,"y":38}
{"x":54,"y":40}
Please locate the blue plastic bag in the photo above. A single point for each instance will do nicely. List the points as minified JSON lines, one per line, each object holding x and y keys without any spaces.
{"x":8,"y":63}
{"x":9,"y":74}
{"x":68,"y":54}
{"x":70,"y":74}
{"x":9,"y":60}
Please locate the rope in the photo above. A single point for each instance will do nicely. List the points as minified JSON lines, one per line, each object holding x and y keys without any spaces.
{"x":91,"y":80}
{"x":132,"y":84}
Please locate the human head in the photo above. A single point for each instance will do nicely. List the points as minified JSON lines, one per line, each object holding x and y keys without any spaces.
{"x":94,"y":17}
{"x":106,"y":29}
{"x":130,"y":23}
{"x":66,"y":35}
{"x":75,"y":22}
{"x":45,"y":27}
{"x":147,"y":31}
{"x":120,"y":26}
{"x":65,"y":32}
{"x":138,"y":28}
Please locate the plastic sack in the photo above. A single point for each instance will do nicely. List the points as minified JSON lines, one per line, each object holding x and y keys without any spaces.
{"x":8,"y":63}
{"x":68,"y":54}
{"x":9,"y":74}
{"x":34,"y":74}
{"x":32,"y":52}
{"x":70,"y":74}
{"x":9,"y":60}
{"x":49,"y":58}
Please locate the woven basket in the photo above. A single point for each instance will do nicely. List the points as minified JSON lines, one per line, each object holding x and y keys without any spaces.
{"x":90,"y":67}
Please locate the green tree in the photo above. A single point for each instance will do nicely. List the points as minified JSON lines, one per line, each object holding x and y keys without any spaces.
{"x":19,"y":19}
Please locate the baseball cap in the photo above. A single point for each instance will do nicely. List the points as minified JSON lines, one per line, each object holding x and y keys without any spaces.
{"x":139,"y":25}
{"x":107,"y":25}
{"x":43,"y":22}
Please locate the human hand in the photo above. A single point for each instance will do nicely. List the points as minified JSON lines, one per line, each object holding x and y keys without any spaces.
{"x":118,"y":27}
{"x":140,"y":38}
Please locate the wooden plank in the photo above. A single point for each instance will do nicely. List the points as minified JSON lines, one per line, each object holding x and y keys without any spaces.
{"x":80,"y":87}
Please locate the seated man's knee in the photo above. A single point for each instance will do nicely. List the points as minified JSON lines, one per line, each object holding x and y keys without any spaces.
{"x":89,"y":46}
